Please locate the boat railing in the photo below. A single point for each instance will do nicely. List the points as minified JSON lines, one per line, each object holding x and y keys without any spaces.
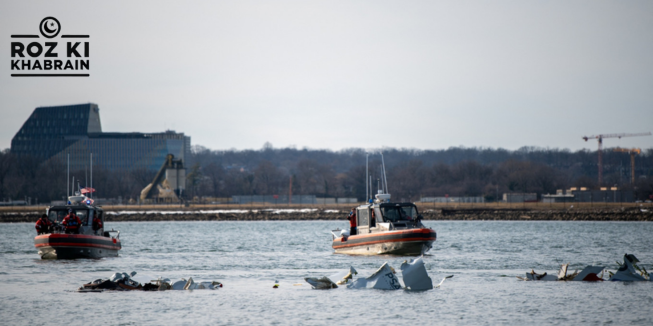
{"x":108,"y":233}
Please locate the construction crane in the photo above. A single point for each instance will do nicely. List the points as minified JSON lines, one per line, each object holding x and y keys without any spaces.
{"x":600,"y":139}
{"x":632,"y":152}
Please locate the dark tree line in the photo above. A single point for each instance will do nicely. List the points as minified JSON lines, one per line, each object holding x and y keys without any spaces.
{"x":411,"y":174}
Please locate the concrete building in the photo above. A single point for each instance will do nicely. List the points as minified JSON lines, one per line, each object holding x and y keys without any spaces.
{"x":557,"y":198}
{"x":57,"y":132}
{"x":466,"y":199}
{"x":519,"y":197}
{"x":296,"y":199}
{"x":604,"y":196}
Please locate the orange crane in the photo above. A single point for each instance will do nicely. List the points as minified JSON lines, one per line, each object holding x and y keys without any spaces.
{"x":632,"y":152}
{"x":600,"y":139}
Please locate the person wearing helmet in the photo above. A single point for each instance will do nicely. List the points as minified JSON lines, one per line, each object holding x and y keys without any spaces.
{"x":43,"y":225}
{"x":352,"y":221}
{"x":71,"y":222}
{"x":97,"y":223}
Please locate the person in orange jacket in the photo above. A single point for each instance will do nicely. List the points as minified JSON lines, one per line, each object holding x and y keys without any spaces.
{"x":352,"y":221}
{"x":71,"y":222}
{"x":43,"y":225}
{"x":97,"y":223}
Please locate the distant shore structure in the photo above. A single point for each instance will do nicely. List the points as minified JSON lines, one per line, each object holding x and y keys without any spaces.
{"x":52,"y":133}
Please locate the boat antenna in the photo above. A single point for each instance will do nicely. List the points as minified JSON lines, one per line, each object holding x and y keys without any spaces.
{"x":367,"y":173}
{"x":68,"y":178}
{"x":370,"y":182}
{"x":72,"y":192}
{"x":385,"y":179}
{"x":91,"y":175}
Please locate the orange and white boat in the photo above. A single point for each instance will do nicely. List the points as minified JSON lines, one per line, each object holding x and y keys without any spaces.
{"x":384,"y":227}
{"x":88,"y":243}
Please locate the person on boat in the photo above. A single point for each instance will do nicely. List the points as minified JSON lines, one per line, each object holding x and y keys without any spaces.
{"x":97,"y":223}
{"x":352,"y":221}
{"x":71,"y":222}
{"x":43,"y":225}
{"x":405,"y":215}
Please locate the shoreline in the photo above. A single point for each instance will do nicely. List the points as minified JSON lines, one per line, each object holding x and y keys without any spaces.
{"x":314,"y":214}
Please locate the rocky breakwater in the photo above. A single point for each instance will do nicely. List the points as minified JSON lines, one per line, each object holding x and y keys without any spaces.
{"x":227,"y":215}
{"x":313,"y":214}
{"x":195,"y":215}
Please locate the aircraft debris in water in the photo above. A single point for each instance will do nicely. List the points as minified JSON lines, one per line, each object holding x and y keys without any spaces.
{"x":627,"y":272}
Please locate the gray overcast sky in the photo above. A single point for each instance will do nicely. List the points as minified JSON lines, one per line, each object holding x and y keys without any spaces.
{"x":341,"y":74}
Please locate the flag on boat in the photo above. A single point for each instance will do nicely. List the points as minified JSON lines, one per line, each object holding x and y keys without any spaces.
{"x":87,"y":190}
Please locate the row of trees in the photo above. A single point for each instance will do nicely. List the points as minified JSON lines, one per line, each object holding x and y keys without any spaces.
{"x":411,"y":174}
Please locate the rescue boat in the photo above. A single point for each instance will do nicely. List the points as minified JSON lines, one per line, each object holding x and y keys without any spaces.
{"x":384,"y":227}
{"x":87,"y":243}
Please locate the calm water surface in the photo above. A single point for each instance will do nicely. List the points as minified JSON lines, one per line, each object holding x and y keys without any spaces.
{"x":484,"y":256}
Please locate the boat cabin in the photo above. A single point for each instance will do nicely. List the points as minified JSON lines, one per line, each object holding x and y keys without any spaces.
{"x":379,"y":217}
{"x":56,"y":214}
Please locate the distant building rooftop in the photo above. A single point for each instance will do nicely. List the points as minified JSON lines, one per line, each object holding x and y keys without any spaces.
{"x":57,"y":133}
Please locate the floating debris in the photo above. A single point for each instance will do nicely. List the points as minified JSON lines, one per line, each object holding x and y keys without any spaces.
{"x":439,"y":284}
{"x":383,"y":279}
{"x":126,"y":282}
{"x":589,"y":273}
{"x":627,"y":272}
{"x":325,"y":283}
{"x":414,"y":276}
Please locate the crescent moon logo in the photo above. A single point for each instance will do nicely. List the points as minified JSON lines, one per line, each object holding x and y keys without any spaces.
{"x":50,"y":27}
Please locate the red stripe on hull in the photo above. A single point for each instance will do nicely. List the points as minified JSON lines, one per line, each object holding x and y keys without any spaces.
{"x":379,"y":241}
{"x":72,"y":244}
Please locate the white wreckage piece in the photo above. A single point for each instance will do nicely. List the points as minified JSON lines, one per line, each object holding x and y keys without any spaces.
{"x":326,"y":282}
{"x":589,"y":273}
{"x":383,"y":279}
{"x":415,"y":276}
{"x":627,"y":272}
{"x":127,"y":282}
{"x":413,"y":272}
{"x":181,"y":284}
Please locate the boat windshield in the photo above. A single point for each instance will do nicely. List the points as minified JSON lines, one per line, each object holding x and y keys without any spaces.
{"x":399,"y":213}
{"x":59,"y":214}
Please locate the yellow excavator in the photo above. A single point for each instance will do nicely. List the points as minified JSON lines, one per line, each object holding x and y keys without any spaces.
{"x":170,"y":182}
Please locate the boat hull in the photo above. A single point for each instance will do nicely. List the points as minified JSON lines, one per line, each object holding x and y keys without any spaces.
{"x":72,"y":246}
{"x":412,"y":242}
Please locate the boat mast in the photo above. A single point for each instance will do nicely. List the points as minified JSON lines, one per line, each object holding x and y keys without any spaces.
{"x":385,"y":179}
{"x":367,"y":173}
{"x":68,"y":178}
{"x":91,"y":174}
{"x":370,"y":184}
